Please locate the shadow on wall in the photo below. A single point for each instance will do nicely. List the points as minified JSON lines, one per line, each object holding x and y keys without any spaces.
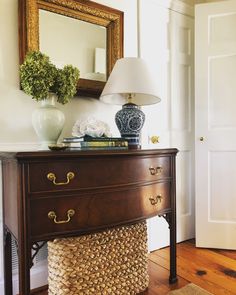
{"x":84,"y":107}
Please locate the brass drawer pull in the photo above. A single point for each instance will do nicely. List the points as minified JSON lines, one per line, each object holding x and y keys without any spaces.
{"x":52,"y":215}
{"x":52,"y":177}
{"x":155,"y":171}
{"x":156,"y":199}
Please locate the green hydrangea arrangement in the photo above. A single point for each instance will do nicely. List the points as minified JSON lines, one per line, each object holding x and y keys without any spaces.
{"x":39,"y":77}
{"x":66,"y":81}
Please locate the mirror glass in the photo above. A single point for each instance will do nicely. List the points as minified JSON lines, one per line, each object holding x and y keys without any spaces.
{"x":83,"y":33}
{"x":83,"y":42}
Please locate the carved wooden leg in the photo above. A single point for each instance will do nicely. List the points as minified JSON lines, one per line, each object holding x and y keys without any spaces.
{"x":24,"y":267}
{"x":7,"y":262}
{"x":173,"y":276}
{"x":171,"y":220}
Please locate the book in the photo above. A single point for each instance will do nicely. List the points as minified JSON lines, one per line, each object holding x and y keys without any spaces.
{"x":91,"y":144}
{"x":98,"y":148}
{"x":73,"y":144}
{"x":72,"y":139}
{"x":120,"y":143}
{"x":88,"y":138}
{"x":94,"y":142}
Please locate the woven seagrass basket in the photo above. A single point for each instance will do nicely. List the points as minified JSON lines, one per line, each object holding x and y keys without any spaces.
{"x":112,"y":262}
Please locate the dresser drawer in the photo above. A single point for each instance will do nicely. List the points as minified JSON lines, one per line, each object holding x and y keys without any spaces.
{"x":96,"y":210}
{"x":96,"y":172}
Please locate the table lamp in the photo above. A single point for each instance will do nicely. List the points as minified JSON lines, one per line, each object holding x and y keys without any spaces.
{"x":130,"y":84}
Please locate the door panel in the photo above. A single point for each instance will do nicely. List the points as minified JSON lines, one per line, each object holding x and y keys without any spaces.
{"x":222,"y":201}
{"x":222,"y":102}
{"x":216,"y":123}
{"x":182,"y":120}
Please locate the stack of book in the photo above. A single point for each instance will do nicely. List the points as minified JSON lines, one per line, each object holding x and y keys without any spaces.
{"x":88,"y":142}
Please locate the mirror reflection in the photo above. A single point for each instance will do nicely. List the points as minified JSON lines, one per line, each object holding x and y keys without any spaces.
{"x":83,"y":33}
{"x":68,"y":40}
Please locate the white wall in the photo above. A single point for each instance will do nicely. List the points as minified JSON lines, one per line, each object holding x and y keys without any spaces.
{"x":16,"y":107}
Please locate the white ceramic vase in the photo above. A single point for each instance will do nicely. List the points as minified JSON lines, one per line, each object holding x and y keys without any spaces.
{"x":48,"y":121}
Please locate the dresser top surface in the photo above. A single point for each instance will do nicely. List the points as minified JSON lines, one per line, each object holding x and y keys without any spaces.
{"x":37,"y":154}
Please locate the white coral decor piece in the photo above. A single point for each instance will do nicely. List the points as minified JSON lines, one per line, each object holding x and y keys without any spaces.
{"x":91,"y":126}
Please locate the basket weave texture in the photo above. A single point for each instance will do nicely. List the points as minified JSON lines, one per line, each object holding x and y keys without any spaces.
{"x":112,"y":262}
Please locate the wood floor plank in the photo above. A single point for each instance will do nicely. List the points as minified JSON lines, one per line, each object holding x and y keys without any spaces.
{"x":40,"y":291}
{"x":188,"y":269}
{"x":217,"y":256}
{"x":221,"y":265}
{"x":202,"y":267}
{"x":159,"y":280}
{"x":218,"y":263}
{"x":227,"y":253}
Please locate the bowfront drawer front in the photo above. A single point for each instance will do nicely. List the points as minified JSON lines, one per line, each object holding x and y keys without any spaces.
{"x":96,"y":172}
{"x":90,"y":211}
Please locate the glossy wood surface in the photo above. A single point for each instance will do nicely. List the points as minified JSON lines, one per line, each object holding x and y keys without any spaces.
{"x":97,"y":172}
{"x":95,"y":211}
{"x":109,"y":188}
{"x":212,"y":269}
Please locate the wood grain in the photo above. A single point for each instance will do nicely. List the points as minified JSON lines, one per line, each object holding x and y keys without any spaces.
{"x":121,"y":190}
{"x":212,"y":270}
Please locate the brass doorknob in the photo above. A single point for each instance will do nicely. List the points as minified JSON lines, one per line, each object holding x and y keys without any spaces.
{"x":155,"y":139}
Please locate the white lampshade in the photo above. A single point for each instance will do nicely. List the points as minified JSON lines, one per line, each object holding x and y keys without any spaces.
{"x":130,"y":75}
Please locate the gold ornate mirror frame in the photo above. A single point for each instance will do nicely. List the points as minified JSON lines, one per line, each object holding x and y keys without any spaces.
{"x":84,"y":10}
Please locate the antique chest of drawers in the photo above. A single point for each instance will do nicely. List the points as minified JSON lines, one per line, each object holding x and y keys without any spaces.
{"x":49,"y":195}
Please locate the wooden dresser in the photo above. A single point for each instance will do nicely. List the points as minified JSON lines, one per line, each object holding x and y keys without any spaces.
{"x":49,"y":195}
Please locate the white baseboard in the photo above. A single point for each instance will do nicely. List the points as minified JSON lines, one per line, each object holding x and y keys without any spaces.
{"x":38,"y":278}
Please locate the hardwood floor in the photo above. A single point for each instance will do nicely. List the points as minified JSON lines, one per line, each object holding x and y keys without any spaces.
{"x":213,"y":270}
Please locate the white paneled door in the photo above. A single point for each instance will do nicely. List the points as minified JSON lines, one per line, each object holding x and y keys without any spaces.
{"x":216,"y":125}
{"x":166,"y":43}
